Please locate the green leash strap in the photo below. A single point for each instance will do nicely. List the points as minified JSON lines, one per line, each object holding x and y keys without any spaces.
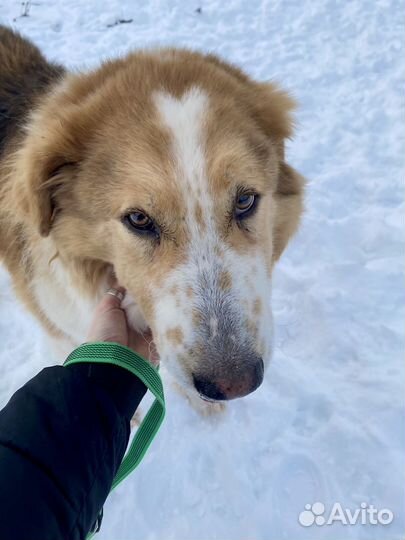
{"x":119,"y":355}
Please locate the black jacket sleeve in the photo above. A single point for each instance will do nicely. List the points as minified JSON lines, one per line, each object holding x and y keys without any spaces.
{"x":62,"y":438}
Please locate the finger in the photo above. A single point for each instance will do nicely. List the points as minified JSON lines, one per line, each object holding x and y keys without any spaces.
{"x":114,"y":297}
{"x":109,"y":321}
{"x":110,"y":300}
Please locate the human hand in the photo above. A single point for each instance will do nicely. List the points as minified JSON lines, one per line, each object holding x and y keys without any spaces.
{"x":110,"y":324}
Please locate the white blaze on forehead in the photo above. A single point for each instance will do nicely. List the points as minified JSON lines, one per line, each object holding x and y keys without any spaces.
{"x":185,"y":119}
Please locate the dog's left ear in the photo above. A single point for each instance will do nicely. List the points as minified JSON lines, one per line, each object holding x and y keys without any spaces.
{"x":274,"y":114}
{"x":42,"y":165}
{"x":288,"y":207}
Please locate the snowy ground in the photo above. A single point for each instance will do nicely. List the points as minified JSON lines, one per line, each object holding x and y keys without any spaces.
{"x":328,"y":425}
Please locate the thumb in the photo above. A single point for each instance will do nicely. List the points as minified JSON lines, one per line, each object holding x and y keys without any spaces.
{"x":109,"y":321}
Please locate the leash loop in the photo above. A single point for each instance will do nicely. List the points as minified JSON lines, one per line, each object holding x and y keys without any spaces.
{"x":126,"y":358}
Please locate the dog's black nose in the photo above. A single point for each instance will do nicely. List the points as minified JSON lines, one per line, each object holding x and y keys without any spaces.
{"x":233,"y":384}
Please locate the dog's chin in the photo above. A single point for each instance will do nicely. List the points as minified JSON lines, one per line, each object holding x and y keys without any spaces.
{"x":204,"y":407}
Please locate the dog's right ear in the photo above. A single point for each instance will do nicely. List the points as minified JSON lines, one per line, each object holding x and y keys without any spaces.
{"x":41,"y":166}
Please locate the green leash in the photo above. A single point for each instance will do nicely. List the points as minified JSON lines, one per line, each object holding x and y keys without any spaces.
{"x":119,"y":355}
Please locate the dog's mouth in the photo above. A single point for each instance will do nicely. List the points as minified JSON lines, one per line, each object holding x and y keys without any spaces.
{"x":209,"y":400}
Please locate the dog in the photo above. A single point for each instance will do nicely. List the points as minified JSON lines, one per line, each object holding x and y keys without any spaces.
{"x":166,"y":170}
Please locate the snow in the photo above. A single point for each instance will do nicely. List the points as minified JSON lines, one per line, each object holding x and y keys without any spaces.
{"x":328,"y":424}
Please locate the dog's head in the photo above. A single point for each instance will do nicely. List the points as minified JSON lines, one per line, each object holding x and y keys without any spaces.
{"x":169,"y":167}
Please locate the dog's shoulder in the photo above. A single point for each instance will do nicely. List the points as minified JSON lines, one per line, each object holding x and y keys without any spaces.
{"x":24,"y":75}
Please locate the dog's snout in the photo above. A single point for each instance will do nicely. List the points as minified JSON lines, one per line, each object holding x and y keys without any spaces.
{"x":235,"y":384}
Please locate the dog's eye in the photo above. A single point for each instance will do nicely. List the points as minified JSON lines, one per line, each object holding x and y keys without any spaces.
{"x":141,"y":223}
{"x":245,"y":205}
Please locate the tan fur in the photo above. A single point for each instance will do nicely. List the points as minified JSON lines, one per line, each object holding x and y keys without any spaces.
{"x":257,"y":307}
{"x":175,"y":335}
{"x":199,"y":217}
{"x":93,"y":147}
{"x":189,"y":292}
{"x":225,"y":280}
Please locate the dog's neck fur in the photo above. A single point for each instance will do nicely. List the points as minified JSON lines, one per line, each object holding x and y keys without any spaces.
{"x":55,"y":288}
{"x":69,"y":290}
